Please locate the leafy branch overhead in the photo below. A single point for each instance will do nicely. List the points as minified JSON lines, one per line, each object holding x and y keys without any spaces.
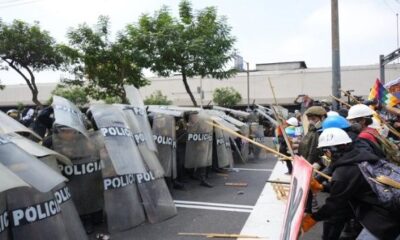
{"x":27,"y":49}
{"x":195,"y":44}
{"x":157,"y":98}
{"x":226,"y":97}
{"x":103,"y":67}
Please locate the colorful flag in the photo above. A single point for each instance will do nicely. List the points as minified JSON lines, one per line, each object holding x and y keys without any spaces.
{"x":382,"y":95}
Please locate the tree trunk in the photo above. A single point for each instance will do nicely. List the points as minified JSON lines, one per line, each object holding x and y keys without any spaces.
{"x":188,"y":88}
{"x":30,"y":82}
{"x":34,"y":90}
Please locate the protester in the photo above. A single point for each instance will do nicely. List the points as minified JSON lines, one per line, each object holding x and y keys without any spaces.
{"x":360,"y":117}
{"x":349,"y":186}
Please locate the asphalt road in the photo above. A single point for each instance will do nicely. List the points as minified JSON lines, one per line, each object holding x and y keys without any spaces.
{"x":220,"y":219}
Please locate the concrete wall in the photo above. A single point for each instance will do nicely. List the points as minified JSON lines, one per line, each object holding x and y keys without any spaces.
{"x":315,"y":82}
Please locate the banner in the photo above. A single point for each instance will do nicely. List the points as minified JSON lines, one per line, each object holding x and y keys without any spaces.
{"x":299,"y":187}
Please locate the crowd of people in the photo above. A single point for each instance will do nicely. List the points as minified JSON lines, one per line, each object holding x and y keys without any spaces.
{"x":349,"y":145}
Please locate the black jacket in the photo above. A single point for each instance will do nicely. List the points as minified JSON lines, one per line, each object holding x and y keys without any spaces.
{"x":349,"y":186}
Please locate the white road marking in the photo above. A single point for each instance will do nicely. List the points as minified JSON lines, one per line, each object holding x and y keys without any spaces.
{"x":250,"y":169}
{"x":213,"y":208}
{"x":214,"y":204}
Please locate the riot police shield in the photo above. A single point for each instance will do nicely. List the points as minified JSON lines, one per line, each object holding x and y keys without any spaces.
{"x":199,"y":141}
{"x":138,"y":109}
{"x":118,"y":140}
{"x":258,"y":135}
{"x":35,"y":215}
{"x":4,"y":219}
{"x":164,"y":134}
{"x":224,"y":153}
{"x":29,"y":210}
{"x":67,"y":114}
{"x":8,"y":180}
{"x":140,"y":127}
{"x":84,"y":175}
{"x":69,"y":214}
{"x":122,"y":202}
{"x":157,"y":200}
{"x":10,"y":125}
{"x":27,"y":167}
{"x":244,"y":145}
{"x":36,"y":149}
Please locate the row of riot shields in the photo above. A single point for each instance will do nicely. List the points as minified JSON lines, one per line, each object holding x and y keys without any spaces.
{"x":35,"y":202}
{"x":132,"y":174}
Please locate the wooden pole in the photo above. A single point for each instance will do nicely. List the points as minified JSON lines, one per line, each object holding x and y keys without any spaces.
{"x":289,"y":145}
{"x":219,"y":235}
{"x":339,"y":100}
{"x":263,"y":146}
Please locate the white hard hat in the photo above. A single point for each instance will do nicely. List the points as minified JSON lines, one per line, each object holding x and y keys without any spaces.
{"x":359,"y":110}
{"x":293,"y":121}
{"x":332,"y":113}
{"x":332,"y":137}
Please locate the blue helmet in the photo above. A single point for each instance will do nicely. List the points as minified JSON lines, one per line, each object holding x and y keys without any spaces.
{"x":335,"y":122}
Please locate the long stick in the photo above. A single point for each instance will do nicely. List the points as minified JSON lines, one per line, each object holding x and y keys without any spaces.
{"x":218,"y":235}
{"x":263,"y":146}
{"x":339,"y":100}
{"x":279,"y":120}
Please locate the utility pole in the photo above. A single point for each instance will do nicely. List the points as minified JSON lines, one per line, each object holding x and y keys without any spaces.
{"x":335,"y":53}
{"x":248,"y":86}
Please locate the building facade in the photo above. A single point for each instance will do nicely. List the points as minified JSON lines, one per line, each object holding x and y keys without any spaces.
{"x":288,"y":79}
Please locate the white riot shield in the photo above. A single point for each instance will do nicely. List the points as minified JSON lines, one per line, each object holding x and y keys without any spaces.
{"x":69,"y":213}
{"x":36,"y":149}
{"x":258,"y":135}
{"x":157,"y":200}
{"x":244,"y":146}
{"x":164,"y":134}
{"x":139,"y":125}
{"x":27,"y":167}
{"x":10,"y":125}
{"x":118,"y":140}
{"x":35,"y":215}
{"x":67,"y":114}
{"x":122,"y":202}
{"x":223,"y":147}
{"x":84,"y":175}
{"x":199,"y":141}
{"x":8,"y":180}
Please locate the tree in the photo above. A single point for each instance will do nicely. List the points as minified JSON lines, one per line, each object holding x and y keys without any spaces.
{"x":226,"y":96}
{"x":157,"y":98}
{"x":75,"y":94}
{"x":194,"y":45}
{"x":27,"y":49}
{"x":101,"y":66}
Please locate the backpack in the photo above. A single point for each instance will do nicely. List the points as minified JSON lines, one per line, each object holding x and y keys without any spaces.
{"x":388,"y":195}
{"x":389,"y":149}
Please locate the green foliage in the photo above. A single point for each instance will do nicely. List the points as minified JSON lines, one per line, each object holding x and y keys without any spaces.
{"x":157,"y":98}
{"x":75,"y":94}
{"x":20,"y":106}
{"x":102,"y":67}
{"x":226,"y":96}
{"x":112,"y":100}
{"x":26,"y":48}
{"x":198,"y":43}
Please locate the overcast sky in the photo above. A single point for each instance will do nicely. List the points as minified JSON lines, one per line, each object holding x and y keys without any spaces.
{"x":266,"y":30}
